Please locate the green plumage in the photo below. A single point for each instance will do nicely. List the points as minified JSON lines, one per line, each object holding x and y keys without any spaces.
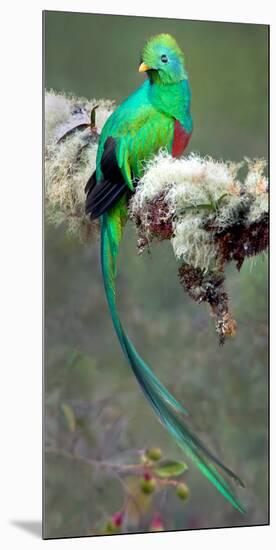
{"x":141,"y":126}
{"x":156,"y":116}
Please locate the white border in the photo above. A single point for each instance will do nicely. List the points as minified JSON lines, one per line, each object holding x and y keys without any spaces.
{"x":21,"y":270}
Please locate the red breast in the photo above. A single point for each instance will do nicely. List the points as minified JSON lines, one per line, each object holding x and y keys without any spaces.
{"x":181,"y":139}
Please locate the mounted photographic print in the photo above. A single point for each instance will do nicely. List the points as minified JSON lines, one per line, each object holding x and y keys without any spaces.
{"x":156,"y":274}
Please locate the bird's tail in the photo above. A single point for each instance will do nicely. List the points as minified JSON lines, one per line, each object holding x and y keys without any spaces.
{"x":169,"y":411}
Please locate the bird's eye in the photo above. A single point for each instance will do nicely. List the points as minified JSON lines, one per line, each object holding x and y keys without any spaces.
{"x":164,"y":58}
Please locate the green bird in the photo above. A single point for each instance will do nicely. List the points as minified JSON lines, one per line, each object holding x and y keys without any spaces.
{"x":157,"y":115}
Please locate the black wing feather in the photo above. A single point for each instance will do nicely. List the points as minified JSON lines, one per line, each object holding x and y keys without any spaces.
{"x":109,"y":163}
{"x":91,"y":183}
{"x":102,"y":195}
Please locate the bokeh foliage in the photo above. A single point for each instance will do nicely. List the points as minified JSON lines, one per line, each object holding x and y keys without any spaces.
{"x":224,"y":388}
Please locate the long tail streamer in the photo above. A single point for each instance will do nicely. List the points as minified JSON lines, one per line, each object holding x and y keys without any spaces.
{"x":167,"y":408}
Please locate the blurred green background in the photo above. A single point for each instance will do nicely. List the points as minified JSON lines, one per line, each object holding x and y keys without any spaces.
{"x":224,"y":388}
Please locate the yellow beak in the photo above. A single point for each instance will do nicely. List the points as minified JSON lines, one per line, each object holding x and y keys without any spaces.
{"x":143,"y":67}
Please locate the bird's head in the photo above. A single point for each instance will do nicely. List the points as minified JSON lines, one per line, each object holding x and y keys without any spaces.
{"x":163,"y":60}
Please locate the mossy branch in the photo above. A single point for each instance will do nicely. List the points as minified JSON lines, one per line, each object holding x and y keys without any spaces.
{"x":213,"y":212}
{"x":71,"y":137}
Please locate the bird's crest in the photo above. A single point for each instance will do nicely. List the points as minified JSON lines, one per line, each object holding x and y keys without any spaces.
{"x":160,"y":41}
{"x":163,"y":59}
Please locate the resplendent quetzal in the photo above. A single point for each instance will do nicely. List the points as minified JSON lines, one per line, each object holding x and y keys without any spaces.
{"x":155,"y":116}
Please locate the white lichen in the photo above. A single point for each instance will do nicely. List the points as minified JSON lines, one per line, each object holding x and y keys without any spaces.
{"x":70,"y":162}
{"x":192,"y":243}
{"x":256,"y":184}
